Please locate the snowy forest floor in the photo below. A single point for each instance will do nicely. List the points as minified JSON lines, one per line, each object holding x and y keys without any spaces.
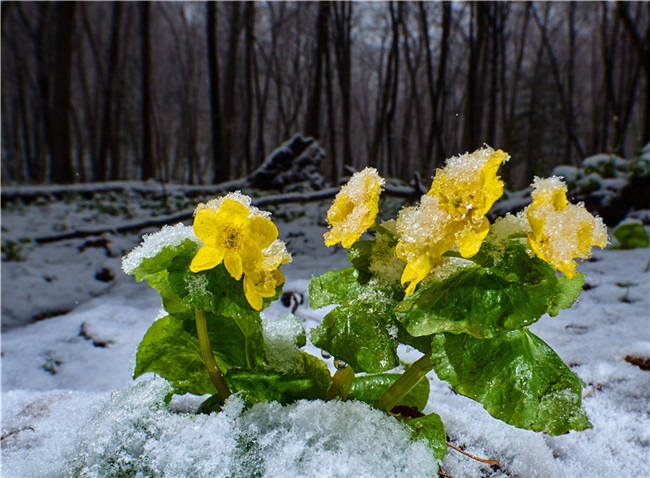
{"x":71,"y":322}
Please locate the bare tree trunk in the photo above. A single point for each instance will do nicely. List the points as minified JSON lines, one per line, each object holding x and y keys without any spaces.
{"x":107,"y":134}
{"x":331,"y":125}
{"x":230,"y":81}
{"x":343,"y":44}
{"x":249,"y":16}
{"x":312,"y":119}
{"x":220,"y":165}
{"x":565,"y":100}
{"x":413,"y":105}
{"x":61,"y":165}
{"x":642,"y":49}
{"x":148,"y":166}
{"x":474,"y":98}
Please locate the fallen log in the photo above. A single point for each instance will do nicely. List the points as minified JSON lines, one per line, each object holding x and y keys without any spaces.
{"x":404,"y":192}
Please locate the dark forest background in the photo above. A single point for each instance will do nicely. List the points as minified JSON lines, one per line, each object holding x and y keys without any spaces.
{"x":200,"y":93}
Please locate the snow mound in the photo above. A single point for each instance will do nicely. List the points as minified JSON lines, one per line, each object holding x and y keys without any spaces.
{"x":135,"y":434}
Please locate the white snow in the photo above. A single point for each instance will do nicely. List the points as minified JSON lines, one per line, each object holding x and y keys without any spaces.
{"x":67,"y":395}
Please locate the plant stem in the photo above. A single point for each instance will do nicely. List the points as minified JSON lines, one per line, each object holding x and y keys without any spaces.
{"x":403,"y":385}
{"x":208,"y":357}
{"x":341,"y":384}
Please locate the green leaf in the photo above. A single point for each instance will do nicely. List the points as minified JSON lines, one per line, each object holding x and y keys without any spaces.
{"x":474,"y":301}
{"x":357,"y":331}
{"x":368,"y":388}
{"x":569,"y":291}
{"x":515,"y":376}
{"x":171,"y":350}
{"x":334,"y":287}
{"x":432,"y":429}
{"x":631,"y":235}
{"x":154,"y":271}
{"x":152,"y":265}
{"x":509,"y":290}
{"x":357,"y":335}
{"x":310,"y":383}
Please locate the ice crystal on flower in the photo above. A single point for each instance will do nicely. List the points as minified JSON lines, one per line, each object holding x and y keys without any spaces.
{"x":507,"y":226}
{"x":153,"y":243}
{"x":561,"y":231}
{"x":235,"y":196}
{"x":355,"y":208}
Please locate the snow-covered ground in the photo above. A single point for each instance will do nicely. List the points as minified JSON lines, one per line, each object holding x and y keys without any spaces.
{"x":71,"y":322}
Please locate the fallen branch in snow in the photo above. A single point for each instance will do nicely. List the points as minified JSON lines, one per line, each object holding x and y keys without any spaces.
{"x":482,"y":460}
{"x":17,"y":430}
{"x":405,"y":192}
{"x":151,"y":188}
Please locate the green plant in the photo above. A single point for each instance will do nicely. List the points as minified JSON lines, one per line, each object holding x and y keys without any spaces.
{"x":439,"y":278}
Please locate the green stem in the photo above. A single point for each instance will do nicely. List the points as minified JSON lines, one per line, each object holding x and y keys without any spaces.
{"x":208,"y":356}
{"x":341,"y":384}
{"x":403,"y":385}
{"x":250,"y":353}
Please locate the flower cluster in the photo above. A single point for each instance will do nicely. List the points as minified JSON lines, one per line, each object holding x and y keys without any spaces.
{"x":245,"y":240}
{"x":452,"y":217}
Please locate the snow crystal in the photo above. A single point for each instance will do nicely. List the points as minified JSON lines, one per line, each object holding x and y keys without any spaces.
{"x":197,"y":287}
{"x":507,"y":226}
{"x":235,"y":196}
{"x":384,"y":263}
{"x":153,"y":243}
{"x":422,"y":225}
{"x":135,"y":434}
{"x":280,"y":337}
{"x":466,"y":168}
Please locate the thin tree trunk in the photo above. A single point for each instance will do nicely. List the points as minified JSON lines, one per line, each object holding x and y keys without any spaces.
{"x":312,"y":119}
{"x":220,"y":166}
{"x":229,"y":85}
{"x":107,"y":134}
{"x":148,"y":167}
{"x":248,"y":119}
{"x":343,"y":14}
{"x":61,"y":165}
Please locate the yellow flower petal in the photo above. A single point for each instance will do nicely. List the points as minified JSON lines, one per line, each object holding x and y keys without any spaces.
{"x":206,"y":258}
{"x":232,"y":212}
{"x":206,"y":225}
{"x":278,"y":276}
{"x":253,"y":298}
{"x":470,"y":239}
{"x":262,"y":231}
{"x":233,"y":263}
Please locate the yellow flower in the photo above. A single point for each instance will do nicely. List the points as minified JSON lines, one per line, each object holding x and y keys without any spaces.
{"x":451,"y":214}
{"x":232,"y":234}
{"x":425,"y":233}
{"x":561,"y":231}
{"x":262,"y":278}
{"x":355,"y":208}
{"x":467,"y":187}
{"x":260,"y":284}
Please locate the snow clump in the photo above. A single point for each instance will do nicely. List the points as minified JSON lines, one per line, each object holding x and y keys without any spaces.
{"x":135,"y":434}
